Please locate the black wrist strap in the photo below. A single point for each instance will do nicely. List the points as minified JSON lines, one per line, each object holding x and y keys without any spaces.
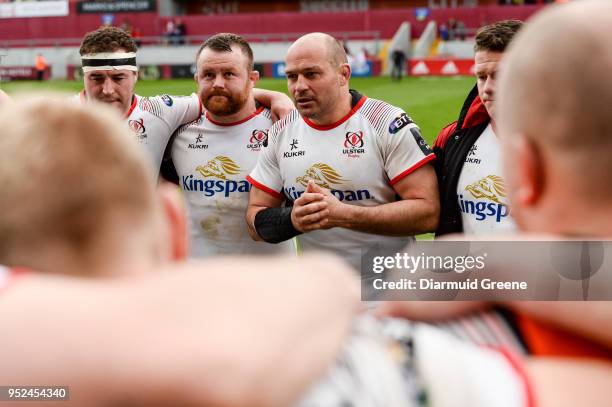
{"x":274,"y":225}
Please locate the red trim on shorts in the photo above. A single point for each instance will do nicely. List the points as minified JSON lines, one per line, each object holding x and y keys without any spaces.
{"x":339,"y":122}
{"x":518,"y":367}
{"x":264,"y":188}
{"x":132,"y":107}
{"x":258,"y":111}
{"x":410,"y":170}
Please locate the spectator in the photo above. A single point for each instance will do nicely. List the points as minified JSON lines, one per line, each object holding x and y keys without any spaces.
{"x":40,"y":63}
{"x":444,"y":35}
{"x":180,"y":31}
{"x":397,"y":57}
{"x":460,"y":30}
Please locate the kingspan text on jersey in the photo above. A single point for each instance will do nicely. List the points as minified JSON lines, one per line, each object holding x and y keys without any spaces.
{"x":359,"y":195}
{"x":212,"y":187}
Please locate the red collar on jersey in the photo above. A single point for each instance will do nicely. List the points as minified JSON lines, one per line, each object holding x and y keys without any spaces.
{"x":257,"y":111}
{"x":339,"y":122}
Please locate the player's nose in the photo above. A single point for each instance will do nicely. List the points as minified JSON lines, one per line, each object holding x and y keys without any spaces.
{"x":301,"y":84}
{"x":107,"y":86}
{"x":489,"y":86}
{"x":219,"y":82}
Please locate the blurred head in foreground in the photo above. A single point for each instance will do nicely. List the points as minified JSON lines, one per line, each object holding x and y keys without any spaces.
{"x":77,"y":196}
{"x":554,"y":117}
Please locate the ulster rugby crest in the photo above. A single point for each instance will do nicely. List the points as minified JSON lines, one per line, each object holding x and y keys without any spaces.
{"x":138,"y":128}
{"x":258,"y":139}
{"x":353,"y":144}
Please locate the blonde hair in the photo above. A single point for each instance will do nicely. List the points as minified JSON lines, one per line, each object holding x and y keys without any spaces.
{"x":65,"y":169}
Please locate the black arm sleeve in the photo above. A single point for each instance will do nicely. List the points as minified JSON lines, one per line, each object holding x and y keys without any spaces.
{"x":274,"y":225}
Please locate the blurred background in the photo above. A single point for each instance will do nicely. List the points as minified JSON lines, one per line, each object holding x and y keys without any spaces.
{"x":416,"y":54}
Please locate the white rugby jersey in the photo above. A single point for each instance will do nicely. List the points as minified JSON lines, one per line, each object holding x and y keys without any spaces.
{"x":154,"y":119}
{"x":358,"y":158}
{"x":212,"y":161}
{"x":481,"y":191}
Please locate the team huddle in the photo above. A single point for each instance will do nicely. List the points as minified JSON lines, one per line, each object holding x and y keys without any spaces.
{"x":329,"y":170}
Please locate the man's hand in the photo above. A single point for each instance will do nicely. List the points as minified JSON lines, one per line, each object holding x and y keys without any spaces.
{"x":337,"y":211}
{"x":280,"y":106}
{"x":310,"y":211}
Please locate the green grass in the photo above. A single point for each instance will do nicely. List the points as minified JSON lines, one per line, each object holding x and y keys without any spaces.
{"x":431,"y":102}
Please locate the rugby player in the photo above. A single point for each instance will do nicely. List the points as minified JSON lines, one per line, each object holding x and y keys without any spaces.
{"x":214,"y":154}
{"x":473,"y":196}
{"x":148,"y":330}
{"x":341,"y":159}
{"x":202,"y":346}
{"x":553,"y":121}
{"x":110,"y":72}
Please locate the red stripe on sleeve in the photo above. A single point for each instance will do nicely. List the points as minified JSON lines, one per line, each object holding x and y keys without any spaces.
{"x":264,"y":188}
{"x":410,"y":170}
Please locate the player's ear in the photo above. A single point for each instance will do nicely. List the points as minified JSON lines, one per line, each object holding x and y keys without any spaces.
{"x":523,"y":171}
{"x":254,"y":76}
{"x":345,"y":74}
{"x":174,"y":220}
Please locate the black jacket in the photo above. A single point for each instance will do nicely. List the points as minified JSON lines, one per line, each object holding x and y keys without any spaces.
{"x":452,"y":147}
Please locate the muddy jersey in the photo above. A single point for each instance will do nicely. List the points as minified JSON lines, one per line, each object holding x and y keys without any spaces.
{"x":359,"y":159}
{"x":154,"y":119}
{"x":212,"y":161}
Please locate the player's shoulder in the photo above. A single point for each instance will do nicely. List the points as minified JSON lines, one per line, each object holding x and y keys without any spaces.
{"x":384,"y":117}
{"x":196,"y":125}
{"x":161,"y":105}
{"x":282,"y":125}
{"x":266,"y":113}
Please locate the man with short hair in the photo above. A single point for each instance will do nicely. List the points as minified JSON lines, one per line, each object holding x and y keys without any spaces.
{"x":473,"y":196}
{"x":342,"y":160}
{"x":110,"y":73}
{"x":94,"y":222}
{"x":158,"y":332}
{"x":214,"y":154}
{"x":553,"y":120}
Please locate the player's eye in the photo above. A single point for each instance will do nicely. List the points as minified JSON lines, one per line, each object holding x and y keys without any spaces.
{"x":292,"y":77}
{"x":311,"y":75}
{"x":229,"y":74}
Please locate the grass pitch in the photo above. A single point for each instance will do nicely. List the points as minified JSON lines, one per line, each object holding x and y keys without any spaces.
{"x":431,"y":102}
